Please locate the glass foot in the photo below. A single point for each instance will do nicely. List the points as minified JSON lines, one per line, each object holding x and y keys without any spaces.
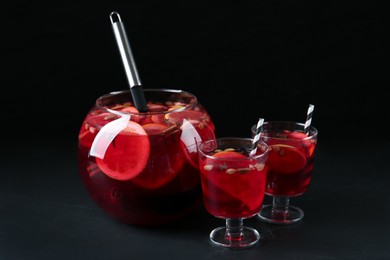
{"x":248,"y":237}
{"x":289,"y":216}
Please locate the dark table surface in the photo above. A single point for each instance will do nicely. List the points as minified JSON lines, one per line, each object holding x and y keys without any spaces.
{"x":45,"y":213}
{"x":244,"y":60}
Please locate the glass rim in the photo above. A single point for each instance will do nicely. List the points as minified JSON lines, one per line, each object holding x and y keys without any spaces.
{"x":164,"y":90}
{"x":264,"y":153}
{"x":310,"y":136}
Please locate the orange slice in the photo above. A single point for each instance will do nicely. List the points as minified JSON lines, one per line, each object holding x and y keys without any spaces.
{"x":127,"y":155}
{"x":165,"y":159}
{"x":285,"y":159}
{"x":154,"y":128}
{"x":195,"y":128}
{"x":226,"y":154}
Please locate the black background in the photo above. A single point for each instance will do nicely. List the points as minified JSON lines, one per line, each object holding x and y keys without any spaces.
{"x":242,"y":59}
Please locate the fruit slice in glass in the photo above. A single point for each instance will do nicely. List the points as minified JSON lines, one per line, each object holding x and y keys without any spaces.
{"x":194,"y":130}
{"x":165,"y":159}
{"x":127,"y":155}
{"x":238,"y":177}
{"x":285,"y":159}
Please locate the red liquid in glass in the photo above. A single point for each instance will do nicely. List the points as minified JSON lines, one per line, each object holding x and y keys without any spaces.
{"x":290,"y":163}
{"x":149,"y":174}
{"x":233,"y":189}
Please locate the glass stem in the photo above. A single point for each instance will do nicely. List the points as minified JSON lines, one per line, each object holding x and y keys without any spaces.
{"x":234,"y":228}
{"x":280,"y":206}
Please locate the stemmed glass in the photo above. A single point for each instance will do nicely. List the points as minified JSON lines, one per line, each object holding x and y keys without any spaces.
{"x":290,"y":165}
{"x":233,"y":185}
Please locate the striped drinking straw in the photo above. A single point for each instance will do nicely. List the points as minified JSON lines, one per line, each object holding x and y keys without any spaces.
{"x":309,"y":116}
{"x":256,"y":138}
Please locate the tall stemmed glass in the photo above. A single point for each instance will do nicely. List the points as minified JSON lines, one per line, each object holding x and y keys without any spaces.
{"x":290,"y":165}
{"x":233,"y":184}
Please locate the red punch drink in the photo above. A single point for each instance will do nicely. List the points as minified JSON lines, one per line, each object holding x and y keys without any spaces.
{"x":142,"y":168}
{"x":233,"y":183}
{"x":290,"y":162}
{"x":290,"y":166}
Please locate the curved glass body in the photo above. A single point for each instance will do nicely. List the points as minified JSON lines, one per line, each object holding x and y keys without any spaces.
{"x":233,"y":186}
{"x":142,"y":168}
{"x":233,"y":183}
{"x":291,"y":157}
{"x":290,"y":166}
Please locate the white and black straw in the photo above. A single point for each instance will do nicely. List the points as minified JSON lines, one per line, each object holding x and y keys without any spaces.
{"x":309,"y":116}
{"x":256,"y":138}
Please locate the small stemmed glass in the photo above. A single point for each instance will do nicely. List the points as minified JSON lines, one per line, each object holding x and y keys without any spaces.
{"x":290,"y":165}
{"x":233,"y":184}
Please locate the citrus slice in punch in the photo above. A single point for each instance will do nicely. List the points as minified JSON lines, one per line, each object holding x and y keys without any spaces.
{"x":154,"y":128}
{"x":127,"y":155}
{"x":91,"y":125}
{"x":285,"y":159}
{"x":296,"y":135}
{"x":232,"y":159}
{"x":193,"y":133}
{"x":196,"y":127}
{"x":157,"y":115}
{"x":165,"y":158}
{"x":191,"y":155}
{"x":229,"y":154}
{"x":192,"y":115}
{"x":243,"y":188}
{"x":308,"y":144}
{"x":134,"y":113}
